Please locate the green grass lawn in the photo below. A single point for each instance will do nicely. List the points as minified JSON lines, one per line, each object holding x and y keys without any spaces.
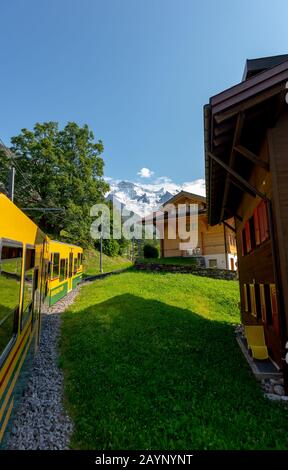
{"x":91,"y":263}
{"x":176,"y":261}
{"x":151,"y":362}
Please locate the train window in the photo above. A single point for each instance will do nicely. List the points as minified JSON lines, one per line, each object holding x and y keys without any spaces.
{"x":63,"y":273}
{"x":70,"y":264}
{"x":56,"y":265}
{"x":75,"y":265}
{"x":10,"y":282}
{"x":79,"y":260}
{"x":28,"y":285}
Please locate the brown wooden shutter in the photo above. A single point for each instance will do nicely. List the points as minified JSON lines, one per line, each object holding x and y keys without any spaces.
{"x":263,"y":303}
{"x":256,"y":227}
{"x":253,"y":300}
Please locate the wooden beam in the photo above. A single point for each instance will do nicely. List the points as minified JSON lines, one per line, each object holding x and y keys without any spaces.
{"x":251,"y":156}
{"x":241,"y":187}
{"x":238,"y":177}
{"x":236,"y":138}
{"x":229,"y":226}
{"x":237,"y":216}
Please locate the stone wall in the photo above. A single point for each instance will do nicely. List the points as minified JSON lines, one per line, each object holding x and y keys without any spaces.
{"x":185,"y":269}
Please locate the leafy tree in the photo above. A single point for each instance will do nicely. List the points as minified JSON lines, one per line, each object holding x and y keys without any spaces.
{"x":58,"y":169}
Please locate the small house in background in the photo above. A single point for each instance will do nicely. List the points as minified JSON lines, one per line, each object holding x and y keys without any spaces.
{"x":246,"y":146}
{"x":216,"y":247}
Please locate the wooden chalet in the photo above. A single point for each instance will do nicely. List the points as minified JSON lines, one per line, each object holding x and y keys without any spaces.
{"x":246,"y":147}
{"x":216,"y":246}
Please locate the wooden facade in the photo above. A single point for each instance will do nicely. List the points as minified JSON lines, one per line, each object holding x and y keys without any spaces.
{"x":216,"y":245}
{"x":246,"y":146}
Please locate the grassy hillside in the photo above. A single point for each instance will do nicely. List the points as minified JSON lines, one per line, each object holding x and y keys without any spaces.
{"x":91,"y":263}
{"x":151,"y":362}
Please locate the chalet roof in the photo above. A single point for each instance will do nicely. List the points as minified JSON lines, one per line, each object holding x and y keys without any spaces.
{"x":162,"y":214}
{"x":255,"y":66}
{"x":186,"y":194}
{"x":235,"y":122}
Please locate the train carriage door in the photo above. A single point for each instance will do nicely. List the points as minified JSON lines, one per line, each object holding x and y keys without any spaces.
{"x":70,"y":271}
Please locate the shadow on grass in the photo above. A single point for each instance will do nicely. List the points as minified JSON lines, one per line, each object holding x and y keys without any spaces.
{"x":141,"y":374}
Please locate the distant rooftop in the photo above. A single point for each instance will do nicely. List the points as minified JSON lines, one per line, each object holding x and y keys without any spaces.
{"x":192,"y":196}
{"x":255,"y":66}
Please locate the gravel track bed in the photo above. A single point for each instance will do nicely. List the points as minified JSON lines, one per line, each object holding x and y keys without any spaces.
{"x":41,"y":421}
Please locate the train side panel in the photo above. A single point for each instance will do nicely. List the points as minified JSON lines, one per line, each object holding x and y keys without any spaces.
{"x":21,"y":271}
{"x":65,"y":269}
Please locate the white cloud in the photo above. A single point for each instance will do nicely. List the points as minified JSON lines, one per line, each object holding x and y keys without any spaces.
{"x":162,"y":179}
{"x":145,"y":173}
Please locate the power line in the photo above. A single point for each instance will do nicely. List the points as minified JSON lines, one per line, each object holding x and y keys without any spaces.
{"x":44,"y":209}
{"x":13,"y":158}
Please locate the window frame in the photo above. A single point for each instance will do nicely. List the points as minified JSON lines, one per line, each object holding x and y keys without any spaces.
{"x":216,"y":265}
{"x":23,"y":323}
{"x":75,"y":265}
{"x":15,"y":332}
{"x":255,"y":231}
{"x":64,"y":278}
{"x":79,"y":260}
{"x":52,"y":277}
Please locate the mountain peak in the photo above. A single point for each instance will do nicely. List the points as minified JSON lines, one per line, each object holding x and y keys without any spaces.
{"x":143,"y":199}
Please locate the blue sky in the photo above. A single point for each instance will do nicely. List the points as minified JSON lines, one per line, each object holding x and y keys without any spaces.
{"x":138,"y":72}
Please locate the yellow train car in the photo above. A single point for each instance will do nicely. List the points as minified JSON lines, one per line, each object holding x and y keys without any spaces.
{"x":22,"y":248}
{"x":34,"y":271}
{"x":65,"y":270}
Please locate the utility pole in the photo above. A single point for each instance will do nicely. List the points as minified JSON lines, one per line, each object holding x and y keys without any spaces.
{"x":101,"y":263}
{"x":101,"y":249}
{"x":11,"y":183}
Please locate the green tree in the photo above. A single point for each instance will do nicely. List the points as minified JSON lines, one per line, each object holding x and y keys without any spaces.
{"x":110,"y":247}
{"x":61,"y":169}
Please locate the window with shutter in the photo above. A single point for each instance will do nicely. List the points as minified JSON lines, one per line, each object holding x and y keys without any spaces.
{"x":258,"y":301}
{"x":253,"y":300}
{"x":256,"y":227}
{"x":248,"y":298}
{"x":274,"y":307}
{"x":263,"y":303}
{"x":269,"y":319}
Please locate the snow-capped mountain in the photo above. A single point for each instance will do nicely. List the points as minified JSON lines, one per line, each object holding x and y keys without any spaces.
{"x":142,"y":199}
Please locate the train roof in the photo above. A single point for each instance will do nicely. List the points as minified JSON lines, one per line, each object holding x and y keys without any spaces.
{"x":16,"y":225}
{"x":64,"y":243}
